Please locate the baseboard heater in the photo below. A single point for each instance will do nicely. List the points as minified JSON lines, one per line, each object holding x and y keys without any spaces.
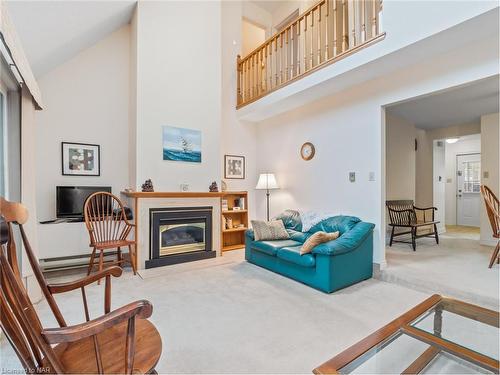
{"x":72,"y":262}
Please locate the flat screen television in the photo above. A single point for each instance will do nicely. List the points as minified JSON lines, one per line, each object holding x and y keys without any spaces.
{"x":70,"y":199}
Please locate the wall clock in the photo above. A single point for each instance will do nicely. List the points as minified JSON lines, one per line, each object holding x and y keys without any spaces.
{"x":307,"y":151}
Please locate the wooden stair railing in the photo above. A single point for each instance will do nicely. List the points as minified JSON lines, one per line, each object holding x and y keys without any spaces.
{"x":326,"y":32}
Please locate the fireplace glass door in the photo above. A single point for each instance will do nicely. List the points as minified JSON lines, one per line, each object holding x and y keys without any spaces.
{"x":182,"y":238}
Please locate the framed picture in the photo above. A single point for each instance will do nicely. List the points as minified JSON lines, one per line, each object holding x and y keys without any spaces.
{"x":234,"y":166}
{"x":80,"y":159}
{"x":180,"y":144}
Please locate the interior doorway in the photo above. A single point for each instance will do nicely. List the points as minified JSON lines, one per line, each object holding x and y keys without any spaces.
{"x":439,"y":149}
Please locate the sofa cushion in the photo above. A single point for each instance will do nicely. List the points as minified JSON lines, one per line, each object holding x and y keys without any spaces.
{"x":271,"y":247}
{"x":292,"y":254}
{"x":336,"y":223}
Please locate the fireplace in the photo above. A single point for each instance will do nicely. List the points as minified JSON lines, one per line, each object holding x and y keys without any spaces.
{"x":180,"y":234}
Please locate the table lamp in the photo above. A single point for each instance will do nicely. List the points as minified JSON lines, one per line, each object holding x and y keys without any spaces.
{"x":267,"y":181}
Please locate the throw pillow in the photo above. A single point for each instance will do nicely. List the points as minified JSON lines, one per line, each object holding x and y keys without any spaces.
{"x":269,"y":230}
{"x":316,"y":239}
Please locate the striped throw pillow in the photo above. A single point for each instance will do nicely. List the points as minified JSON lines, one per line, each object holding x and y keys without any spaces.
{"x":269,"y":230}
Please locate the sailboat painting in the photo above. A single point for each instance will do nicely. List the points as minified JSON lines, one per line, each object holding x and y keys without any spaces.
{"x":180,"y":144}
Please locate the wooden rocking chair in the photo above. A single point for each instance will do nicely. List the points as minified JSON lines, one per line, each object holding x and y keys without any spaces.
{"x":120,"y":341}
{"x":403,"y":214}
{"x":493,"y":210}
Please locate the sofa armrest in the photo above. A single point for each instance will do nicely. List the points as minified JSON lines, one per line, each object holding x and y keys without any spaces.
{"x":349,"y":241}
{"x":250,"y":235}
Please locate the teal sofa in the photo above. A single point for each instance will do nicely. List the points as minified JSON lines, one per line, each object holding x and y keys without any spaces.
{"x":331,"y":266}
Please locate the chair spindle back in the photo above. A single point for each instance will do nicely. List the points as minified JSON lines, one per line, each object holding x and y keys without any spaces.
{"x":492,"y":208}
{"x":105,"y":218}
{"x":401,"y":212}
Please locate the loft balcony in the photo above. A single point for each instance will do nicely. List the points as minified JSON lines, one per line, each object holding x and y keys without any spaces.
{"x":325,"y":33}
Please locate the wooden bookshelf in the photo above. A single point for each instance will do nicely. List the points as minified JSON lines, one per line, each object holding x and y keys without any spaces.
{"x":233,"y":238}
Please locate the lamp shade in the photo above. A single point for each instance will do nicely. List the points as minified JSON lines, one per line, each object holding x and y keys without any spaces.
{"x":267,"y":181}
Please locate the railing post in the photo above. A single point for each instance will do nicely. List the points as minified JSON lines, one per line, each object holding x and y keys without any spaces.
{"x":239,"y":97}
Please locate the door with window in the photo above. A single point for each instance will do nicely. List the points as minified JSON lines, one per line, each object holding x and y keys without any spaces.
{"x":468,"y":189}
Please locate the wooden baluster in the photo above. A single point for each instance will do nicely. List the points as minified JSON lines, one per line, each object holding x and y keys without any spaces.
{"x":287,"y":54}
{"x":264,"y":68}
{"x":248,"y":79}
{"x":319,"y":26}
{"x":306,"y":45}
{"x":292,"y":51}
{"x":252,"y":76}
{"x":345,"y":36}
{"x":282,"y":58}
{"x":334,"y":22}
{"x":299,"y":46}
{"x":259,"y":71}
{"x":362,"y":4}
{"x":374,"y":18}
{"x":354,"y":39}
{"x":271,"y":65}
{"x":311,"y":50}
{"x":327,"y":29}
{"x":277,"y":62}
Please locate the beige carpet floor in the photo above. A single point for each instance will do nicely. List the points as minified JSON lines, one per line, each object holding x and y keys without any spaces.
{"x":457,"y":267}
{"x":238,"y":318}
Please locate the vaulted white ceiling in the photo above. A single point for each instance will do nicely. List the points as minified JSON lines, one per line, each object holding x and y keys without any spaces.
{"x":460,"y":105}
{"x":53,"y":32}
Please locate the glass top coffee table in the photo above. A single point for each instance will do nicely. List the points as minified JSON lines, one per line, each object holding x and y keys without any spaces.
{"x":439,"y":336}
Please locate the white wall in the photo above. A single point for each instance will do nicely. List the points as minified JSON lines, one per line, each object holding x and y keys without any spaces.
{"x":439,"y":187}
{"x":178,"y":84}
{"x":490,"y":163}
{"x":466,"y":145}
{"x":252,"y":36}
{"x":237,"y":137}
{"x":400,"y":158}
{"x":86,"y":100}
{"x":348,"y":133}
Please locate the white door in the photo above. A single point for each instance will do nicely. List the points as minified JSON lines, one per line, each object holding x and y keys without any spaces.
{"x":468,"y":193}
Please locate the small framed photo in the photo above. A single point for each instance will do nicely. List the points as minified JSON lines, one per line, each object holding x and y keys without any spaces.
{"x":80,"y":159}
{"x":234,"y":167}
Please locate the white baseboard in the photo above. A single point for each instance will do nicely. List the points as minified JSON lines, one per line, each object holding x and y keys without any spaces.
{"x":379,"y":266}
{"x":490,"y":242}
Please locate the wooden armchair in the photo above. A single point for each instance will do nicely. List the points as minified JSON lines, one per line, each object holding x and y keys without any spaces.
{"x":120,"y":341}
{"x":493,"y":210}
{"x":108,"y":229}
{"x":403,"y":214}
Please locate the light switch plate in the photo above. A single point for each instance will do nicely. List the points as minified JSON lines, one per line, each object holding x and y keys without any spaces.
{"x":352,"y":176}
{"x":184,"y":187}
{"x":371,"y":176}
{"x":486,"y":174}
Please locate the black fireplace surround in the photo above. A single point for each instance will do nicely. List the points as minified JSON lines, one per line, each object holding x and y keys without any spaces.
{"x":191,"y":226}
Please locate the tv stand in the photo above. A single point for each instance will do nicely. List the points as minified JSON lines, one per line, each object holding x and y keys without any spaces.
{"x":64,"y":220}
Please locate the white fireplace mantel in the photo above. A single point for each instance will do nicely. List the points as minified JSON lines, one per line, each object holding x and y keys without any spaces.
{"x":142,"y":202}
